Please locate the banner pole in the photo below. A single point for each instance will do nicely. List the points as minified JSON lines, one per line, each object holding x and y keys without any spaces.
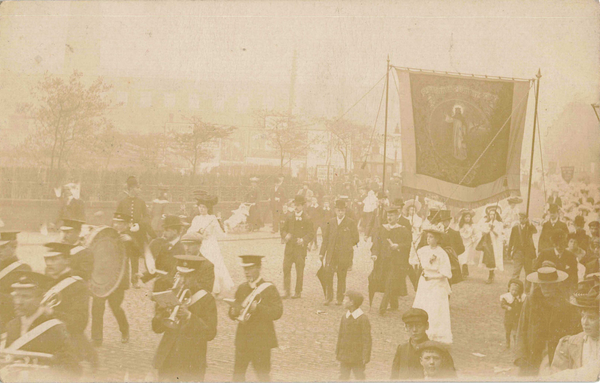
{"x":387,"y":91}
{"x":535,"y":114}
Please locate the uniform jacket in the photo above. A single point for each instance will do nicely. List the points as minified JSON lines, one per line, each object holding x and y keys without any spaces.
{"x":183,"y":349}
{"x":258,"y":333}
{"x":541,"y":326}
{"x":521,"y":240}
{"x":407,"y":363}
{"x":137,"y":209}
{"x":547,"y":229}
{"x":338,"y":243}
{"x":354,"y":340}
{"x":567,"y":263}
{"x":54,"y":341}
{"x":7,"y":312}
{"x":73,"y":309}
{"x":302,"y":228}
{"x":82,"y":261}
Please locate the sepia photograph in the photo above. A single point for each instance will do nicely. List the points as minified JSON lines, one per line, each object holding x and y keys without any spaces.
{"x":299,"y":190}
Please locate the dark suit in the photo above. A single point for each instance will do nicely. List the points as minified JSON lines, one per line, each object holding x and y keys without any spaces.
{"x":521,"y":246}
{"x":337,"y":251}
{"x":407,"y":363}
{"x":567,"y":262}
{"x":82,"y":261}
{"x":54,"y":341}
{"x":299,"y":228}
{"x":7,"y":312}
{"x":255,"y":338}
{"x":547,"y":229}
{"x":181,"y":353}
{"x":163,"y":253}
{"x":276,"y":204}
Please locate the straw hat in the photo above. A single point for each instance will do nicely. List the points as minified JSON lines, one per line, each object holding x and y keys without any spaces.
{"x":411,"y":203}
{"x":547,"y":274}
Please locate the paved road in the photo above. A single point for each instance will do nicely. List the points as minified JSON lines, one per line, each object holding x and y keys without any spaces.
{"x":307,"y":331}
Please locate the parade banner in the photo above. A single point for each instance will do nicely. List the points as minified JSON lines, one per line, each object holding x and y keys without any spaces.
{"x":448,"y":121}
{"x":567,"y":173}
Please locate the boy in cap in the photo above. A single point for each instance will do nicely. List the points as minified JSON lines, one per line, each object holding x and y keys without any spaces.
{"x":512,"y":302}
{"x":353,"y":348}
{"x":10,"y":265}
{"x":73,"y":297}
{"x":337,"y":250}
{"x":255,"y":335}
{"x":81,"y":258}
{"x":406,"y":365}
{"x":297,"y":233}
{"x":181,"y":354}
{"x":35,"y":329}
{"x":552,"y":224}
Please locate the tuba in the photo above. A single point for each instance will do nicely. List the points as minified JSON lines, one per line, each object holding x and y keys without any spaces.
{"x":184,"y":296}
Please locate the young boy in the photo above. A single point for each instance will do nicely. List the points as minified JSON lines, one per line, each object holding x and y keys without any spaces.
{"x":407,"y":365}
{"x":512,"y":302}
{"x":354,"y":340}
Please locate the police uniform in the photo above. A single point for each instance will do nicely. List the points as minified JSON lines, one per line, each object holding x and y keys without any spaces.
{"x":181,"y":354}
{"x":255,"y":337}
{"x":9,"y":269}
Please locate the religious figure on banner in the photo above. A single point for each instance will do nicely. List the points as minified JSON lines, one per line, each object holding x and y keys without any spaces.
{"x":459,"y":126}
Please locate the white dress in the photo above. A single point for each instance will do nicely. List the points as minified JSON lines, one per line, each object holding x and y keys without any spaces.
{"x":432,"y":294}
{"x":208,"y":226}
{"x":470,"y":238}
{"x":496,"y":230}
{"x":416,"y":222}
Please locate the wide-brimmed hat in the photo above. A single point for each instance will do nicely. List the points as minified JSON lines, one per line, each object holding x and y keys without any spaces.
{"x":435,"y":228}
{"x":494,"y":207}
{"x":547,"y":274}
{"x":466,"y":211}
{"x":203,"y":198}
{"x":515,"y":200}
{"x":586,"y":296}
{"x":251,"y":260}
{"x":411,"y":202}
{"x":340,"y":203}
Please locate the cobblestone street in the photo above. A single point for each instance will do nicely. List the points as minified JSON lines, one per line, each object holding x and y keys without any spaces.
{"x":307,"y":332}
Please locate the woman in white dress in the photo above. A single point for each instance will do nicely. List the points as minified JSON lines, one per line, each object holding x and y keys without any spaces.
{"x":207,"y":225}
{"x":434,"y":289}
{"x":492,"y":224}
{"x":410,"y":210}
{"x":470,"y":236}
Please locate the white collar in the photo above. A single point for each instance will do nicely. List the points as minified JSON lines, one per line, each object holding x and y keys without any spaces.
{"x":554,"y":222}
{"x":255,"y":283}
{"x":174,"y":242}
{"x":298,"y":214}
{"x":340,"y":220}
{"x":355,"y":314}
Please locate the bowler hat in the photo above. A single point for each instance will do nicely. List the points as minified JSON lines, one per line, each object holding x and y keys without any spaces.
{"x":340,"y":204}
{"x":172,"y":221}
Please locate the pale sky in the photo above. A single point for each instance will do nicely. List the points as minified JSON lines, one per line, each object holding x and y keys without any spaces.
{"x":341,"y":46}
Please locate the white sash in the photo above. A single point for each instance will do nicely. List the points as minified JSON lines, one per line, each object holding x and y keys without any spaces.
{"x":77,"y":249}
{"x":60,"y":286}
{"x":4,"y":272}
{"x":255,"y":292}
{"x":197,"y":296}
{"x":33,"y":333}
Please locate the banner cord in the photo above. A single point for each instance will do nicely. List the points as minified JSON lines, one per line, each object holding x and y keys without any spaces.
{"x":541,"y":158}
{"x":374,"y":127}
{"x":466,"y":75}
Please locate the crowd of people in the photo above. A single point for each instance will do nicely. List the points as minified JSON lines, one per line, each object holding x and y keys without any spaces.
{"x":551,"y":312}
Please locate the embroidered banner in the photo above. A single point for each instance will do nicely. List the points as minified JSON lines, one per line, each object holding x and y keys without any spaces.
{"x":448,"y":121}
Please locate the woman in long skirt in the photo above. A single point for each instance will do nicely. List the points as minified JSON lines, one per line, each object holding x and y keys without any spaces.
{"x":434,"y":289}
{"x":492,"y":224}
{"x":209,"y":227}
{"x":470,"y":236}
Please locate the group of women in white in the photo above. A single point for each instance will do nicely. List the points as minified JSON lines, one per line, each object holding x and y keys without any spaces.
{"x":434,"y":284}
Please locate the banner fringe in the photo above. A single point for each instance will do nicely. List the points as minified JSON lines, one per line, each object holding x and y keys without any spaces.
{"x":461,"y":204}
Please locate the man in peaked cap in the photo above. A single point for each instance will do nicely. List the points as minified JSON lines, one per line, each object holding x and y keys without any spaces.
{"x":164,"y":249}
{"x":337,"y":250}
{"x":82,"y":258}
{"x":255,"y":336}
{"x":35,"y":329}
{"x":10,"y":265}
{"x":73,"y":297}
{"x":552,"y":224}
{"x":406,"y":365}
{"x":141,"y":228}
{"x":297,"y":233}
{"x":181,"y":354}
{"x":192,"y":242}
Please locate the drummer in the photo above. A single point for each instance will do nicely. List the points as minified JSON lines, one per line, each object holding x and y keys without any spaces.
{"x":35,"y":329}
{"x":81,"y":258}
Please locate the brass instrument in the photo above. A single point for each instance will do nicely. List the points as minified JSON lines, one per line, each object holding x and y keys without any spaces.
{"x":246,"y":312}
{"x":18,"y":365}
{"x":184,"y":297}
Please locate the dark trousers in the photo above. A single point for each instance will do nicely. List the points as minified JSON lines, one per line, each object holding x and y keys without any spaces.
{"x":395,"y":285}
{"x":276,"y":218}
{"x":289,"y":260}
{"x":357,"y":368}
{"x":341,"y":285}
{"x":114,"y":302}
{"x":521,"y":262}
{"x":261,"y":360}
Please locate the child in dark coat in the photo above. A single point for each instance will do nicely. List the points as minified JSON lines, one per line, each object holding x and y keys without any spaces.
{"x":512,"y":302}
{"x":354,"y":340}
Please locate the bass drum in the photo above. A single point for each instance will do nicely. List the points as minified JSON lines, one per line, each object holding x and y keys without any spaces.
{"x":110,"y":260}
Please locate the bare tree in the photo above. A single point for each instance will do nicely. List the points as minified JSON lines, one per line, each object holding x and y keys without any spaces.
{"x":285,"y":133}
{"x":106,"y":144}
{"x":192,"y":143}
{"x":66,"y":113}
{"x":345,"y":134}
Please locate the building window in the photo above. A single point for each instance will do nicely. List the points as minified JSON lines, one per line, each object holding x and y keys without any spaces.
{"x":194,"y":101}
{"x":145,"y":100}
{"x":122,"y":98}
{"x":169,"y":100}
